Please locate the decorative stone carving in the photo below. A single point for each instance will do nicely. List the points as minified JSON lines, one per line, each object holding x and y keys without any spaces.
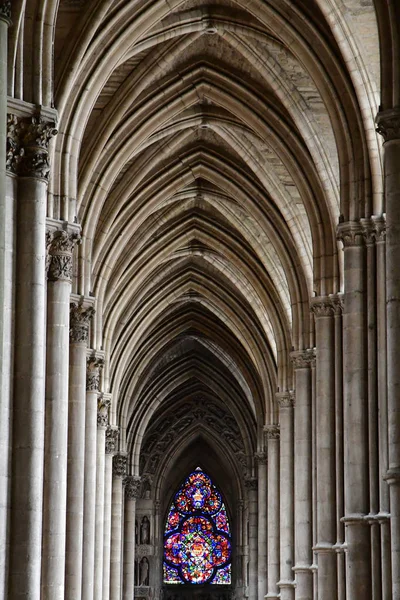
{"x":338,"y":304}
{"x":5,"y":10}
{"x":79,"y":322}
{"x":145,"y":531}
{"x":28,"y":144}
{"x":388,"y":124}
{"x":322,"y":306}
{"x":132,"y":486}
{"x":251,"y":483}
{"x":303,"y":359}
{"x":112,"y":435}
{"x":94,"y":367}
{"x":272,"y":432}
{"x":61,"y":245}
{"x":144,"y":572}
{"x":119,"y":465}
{"x":286,"y":399}
{"x":103,"y":405}
{"x":350,"y":234}
{"x":380,"y":229}
{"x":261,"y":458}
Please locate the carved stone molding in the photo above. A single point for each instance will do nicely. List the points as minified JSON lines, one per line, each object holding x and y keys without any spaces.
{"x":132,"y":487}
{"x":351,"y":234}
{"x":303,"y":359}
{"x":112,"y":435}
{"x":286,"y":399}
{"x":119,"y":465}
{"x":388,"y":124}
{"x":94,"y":366}
{"x":251,"y":483}
{"x":28,"y":141}
{"x":60,"y":247}
{"x":380,"y":229}
{"x":272,"y":432}
{"x":103,"y":405}
{"x":322,"y":306}
{"x":80,"y":318}
{"x":338,"y":304}
{"x":5,"y":10}
{"x":261,"y":458}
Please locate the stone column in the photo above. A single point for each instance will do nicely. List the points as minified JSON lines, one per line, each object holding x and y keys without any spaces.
{"x":251,"y":486}
{"x":30,"y":161}
{"x":286,"y":402}
{"x":102,"y":424}
{"x":132,"y":491}
{"x":261,"y":459}
{"x":119,"y":472}
{"x":358,"y":565}
{"x":302,"y":362}
{"x":80,"y":316}
{"x":112,"y":434}
{"x":272,"y":433}
{"x":389,"y":127}
{"x":325,"y":416}
{"x":95,"y":363}
{"x":61,"y":244}
{"x":7,"y":241}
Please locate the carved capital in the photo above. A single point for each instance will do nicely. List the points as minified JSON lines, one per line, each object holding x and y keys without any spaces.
{"x":303,"y":359}
{"x":60,"y":248}
{"x":93,"y":368}
{"x":380,"y":229}
{"x":351,"y":234}
{"x":322,"y":306}
{"x":5,"y":10}
{"x":286,"y":399}
{"x":251,"y":483}
{"x":388,"y":124}
{"x":28,"y":141}
{"x":261,"y":458}
{"x":132,"y":486}
{"x":79,"y":322}
{"x":272,"y":432}
{"x":112,"y":435}
{"x":103,"y":405}
{"x":119,"y":465}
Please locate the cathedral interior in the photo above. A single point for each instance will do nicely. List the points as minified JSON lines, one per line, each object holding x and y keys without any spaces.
{"x":199,"y":299}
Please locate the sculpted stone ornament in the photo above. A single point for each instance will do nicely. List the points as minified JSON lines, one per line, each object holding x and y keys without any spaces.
{"x":322,"y":307}
{"x":112,"y":435}
{"x":251,"y":483}
{"x":261,"y":458}
{"x":60,"y":250}
{"x":80,"y":318}
{"x":103,"y":405}
{"x":5,"y":10}
{"x":272,"y":432}
{"x":132,"y":486}
{"x":303,"y":359}
{"x":351,"y":234}
{"x":286,"y":399}
{"x":27,"y":146}
{"x":94,"y":367}
{"x":119,"y":465}
{"x":388,"y":124}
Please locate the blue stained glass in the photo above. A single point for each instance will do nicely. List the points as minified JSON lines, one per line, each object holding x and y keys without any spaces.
{"x":197,"y":540}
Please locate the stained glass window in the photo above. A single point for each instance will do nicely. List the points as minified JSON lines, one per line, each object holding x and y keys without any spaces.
{"x":197,"y":540}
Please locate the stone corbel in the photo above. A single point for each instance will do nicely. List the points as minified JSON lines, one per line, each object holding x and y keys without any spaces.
{"x":388,"y":124}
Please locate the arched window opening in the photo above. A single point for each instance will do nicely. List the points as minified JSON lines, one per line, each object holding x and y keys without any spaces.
{"x":197,"y":539}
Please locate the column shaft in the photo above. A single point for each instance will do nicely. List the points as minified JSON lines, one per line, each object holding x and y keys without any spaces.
{"x":272,"y":433}
{"x":251,"y":485}
{"x":119,"y":470}
{"x":107,"y":523}
{"x":303,"y":475}
{"x":99,"y":526}
{"x":286,"y":516}
{"x":132,"y":489}
{"x":261,"y":459}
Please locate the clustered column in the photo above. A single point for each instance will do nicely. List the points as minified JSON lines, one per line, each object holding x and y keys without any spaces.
{"x":61,"y":244}
{"x":132,"y":492}
{"x":303,"y":474}
{"x":272,"y":433}
{"x":286,"y":401}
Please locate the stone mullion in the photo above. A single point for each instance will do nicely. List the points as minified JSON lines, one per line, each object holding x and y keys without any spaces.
{"x":112,"y":434}
{"x":102,"y":424}
{"x":7,"y":240}
{"x":356,"y":459}
{"x":272,"y":435}
{"x":302,"y":362}
{"x":80,"y":316}
{"x":286,"y":516}
{"x":27,"y":156}
{"x":251,"y":485}
{"x":132,"y":492}
{"x":261,"y":459}
{"x":56,"y":407}
{"x":94,"y":365}
{"x":119,"y":472}
{"x":389,"y":126}
{"x":325,"y":447}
